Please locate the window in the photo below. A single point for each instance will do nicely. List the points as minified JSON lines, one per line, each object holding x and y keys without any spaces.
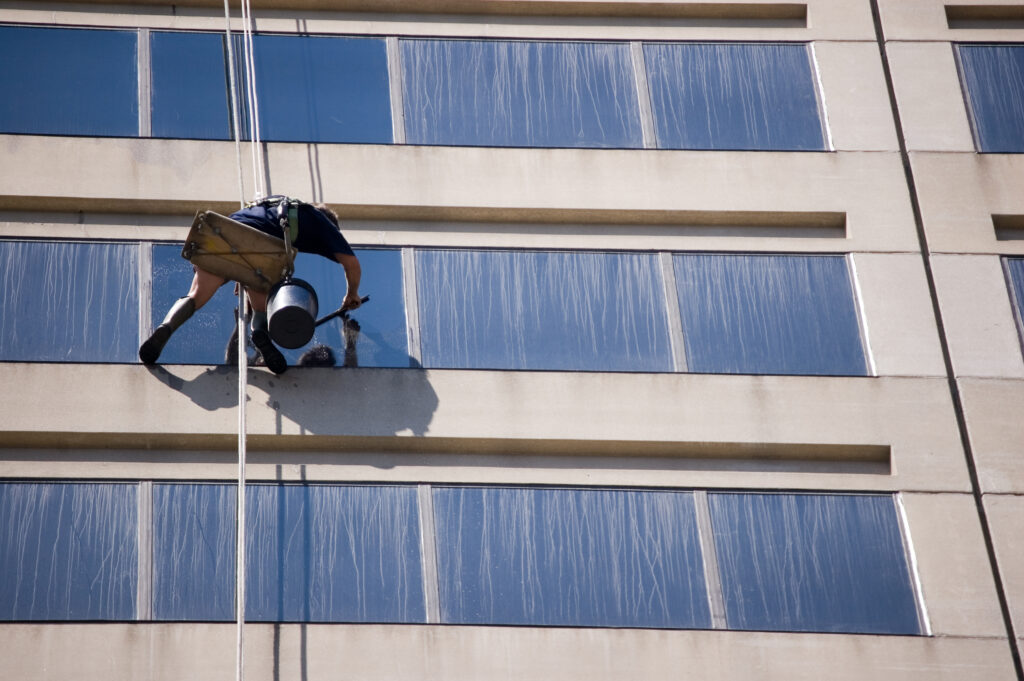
{"x":542,"y":310}
{"x":768,"y":314}
{"x":813,"y":562}
{"x":68,"y":302}
{"x":63,"y":81}
{"x":68,"y":551}
{"x":734,"y":96}
{"x":315,"y":553}
{"x":1015,"y":273}
{"x":569,"y":557}
{"x":311,"y":89}
{"x":993,"y":78}
{"x":519,"y":93}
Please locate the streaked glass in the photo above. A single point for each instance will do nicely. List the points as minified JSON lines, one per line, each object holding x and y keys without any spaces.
{"x":1015,"y":270}
{"x":519,"y":93}
{"x":68,"y":551}
{"x":769,"y":314}
{"x":68,"y":301}
{"x":742,"y":96}
{"x":993,"y":76}
{"x":569,"y":557}
{"x":568,"y":311}
{"x":813,"y":562}
{"x":315,"y":553}
{"x":67,"y":81}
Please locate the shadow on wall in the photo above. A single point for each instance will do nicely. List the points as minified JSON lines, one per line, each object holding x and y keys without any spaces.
{"x":322,"y":400}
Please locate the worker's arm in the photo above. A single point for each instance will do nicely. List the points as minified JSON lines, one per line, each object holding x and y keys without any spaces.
{"x":353,"y":273}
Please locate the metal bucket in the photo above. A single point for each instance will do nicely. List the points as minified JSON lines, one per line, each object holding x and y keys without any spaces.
{"x":291,"y":313}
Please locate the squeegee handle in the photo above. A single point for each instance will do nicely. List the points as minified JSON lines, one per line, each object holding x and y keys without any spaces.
{"x":339,"y":313}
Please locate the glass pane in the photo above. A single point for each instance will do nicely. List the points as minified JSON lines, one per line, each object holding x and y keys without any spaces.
{"x":569,"y":557}
{"x":532,"y":94}
{"x":315,"y":553}
{"x":542,"y":310}
{"x":804,"y":562}
{"x":204,"y":338}
{"x":734,"y":96}
{"x":68,"y":302}
{"x":189,"y":86}
{"x":1015,"y":268}
{"x":62,"y":81}
{"x":316,"y":89}
{"x":68,"y":551}
{"x":994,"y":79}
{"x":769,"y":314}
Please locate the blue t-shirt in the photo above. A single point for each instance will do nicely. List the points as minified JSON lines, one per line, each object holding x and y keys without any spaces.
{"x":317,"y":234}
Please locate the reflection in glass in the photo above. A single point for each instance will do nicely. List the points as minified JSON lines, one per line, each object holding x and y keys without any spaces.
{"x":68,"y":301}
{"x":994,"y":79}
{"x":768,"y":314}
{"x":518,"y":93}
{"x":189,"y":86}
{"x":807,"y":562}
{"x":315,"y":553}
{"x":63,"y":81}
{"x":745,"y":96}
{"x":542,"y":310}
{"x":68,"y":551}
{"x":569,"y":557}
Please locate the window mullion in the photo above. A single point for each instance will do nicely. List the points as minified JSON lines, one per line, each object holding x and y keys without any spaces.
{"x":713,"y":578}
{"x":643,"y":93}
{"x":145,"y":84}
{"x":428,"y":549}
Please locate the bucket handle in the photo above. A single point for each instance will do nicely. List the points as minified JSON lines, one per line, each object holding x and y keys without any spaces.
{"x":340,"y":312}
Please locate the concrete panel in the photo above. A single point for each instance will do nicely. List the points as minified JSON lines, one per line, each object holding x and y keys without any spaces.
{"x":856,"y":99}
{"x":697,"y":188}
{"x":978,"y":316}
{"x":900,"y":330}
{"x":929,"y":97}
{"x":681,"y":416}
{"x":826,"y":19}
{"x":1004,"y":520}
{"x":926,"y":20}
{"x":993,"y":412}
{"x":168,"y":652}
{"x":959,"y":194}
{"x":959,"y":594}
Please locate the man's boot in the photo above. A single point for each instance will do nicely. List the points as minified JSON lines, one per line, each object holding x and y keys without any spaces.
{"x":179,"y":313}
{"x":272,"y":357}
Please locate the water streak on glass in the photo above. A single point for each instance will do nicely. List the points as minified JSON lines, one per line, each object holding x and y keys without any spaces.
{"x":1015,"y":269}
{"x":994,"y":78}
{"x":315,"y":553}
{"x":377,"y":339}
{"x":806,"y":562}
{"x":520,"y":93}
{"x":68,"y":551}
{"x":769,"y":314}
{"x":61,"y":81}
{"x":68,"y":301}
{"x":741,"y":96}
{"x":542,"y":310}
{"x":569,"y":557}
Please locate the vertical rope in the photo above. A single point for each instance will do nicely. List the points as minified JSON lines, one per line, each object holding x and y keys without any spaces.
{"x":254,"y":105}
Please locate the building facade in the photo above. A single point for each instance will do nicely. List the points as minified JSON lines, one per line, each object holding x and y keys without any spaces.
{"x":694,"y":347}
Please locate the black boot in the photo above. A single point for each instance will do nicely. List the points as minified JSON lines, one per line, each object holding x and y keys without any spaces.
{"x":179,"y":313}
{"x":272,"y":357}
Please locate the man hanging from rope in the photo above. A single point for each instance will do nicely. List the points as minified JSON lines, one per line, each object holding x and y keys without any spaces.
{"x":318,"y":233}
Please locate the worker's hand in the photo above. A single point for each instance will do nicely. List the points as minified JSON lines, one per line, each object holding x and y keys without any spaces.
{"x":352,"y":301}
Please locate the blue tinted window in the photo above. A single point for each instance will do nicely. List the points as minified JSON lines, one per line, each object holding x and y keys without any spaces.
{"x":569,"y":557}
{"x":68,"y":81}
{"x":204,"y":338}
{"x":994,"y":79}
{"x":1015,"y":269}
{"x":768,"y":314}
{"x":542,"y":310}
{"x":316,"y":89}
{"x":189,"y":86}
{"x":315,"y":553}
{"x":804,"y":562}
{"x":733,"y":96}
{"x":537,"y":94}
{"x":68,"y":551}
{"x":68,"y":302}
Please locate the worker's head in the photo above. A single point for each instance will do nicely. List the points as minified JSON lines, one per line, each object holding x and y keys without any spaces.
{"x":331,"y":215}
{"x":317,"y":356}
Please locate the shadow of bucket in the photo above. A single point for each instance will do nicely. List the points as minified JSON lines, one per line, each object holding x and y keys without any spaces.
{"x":291,"y":313}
